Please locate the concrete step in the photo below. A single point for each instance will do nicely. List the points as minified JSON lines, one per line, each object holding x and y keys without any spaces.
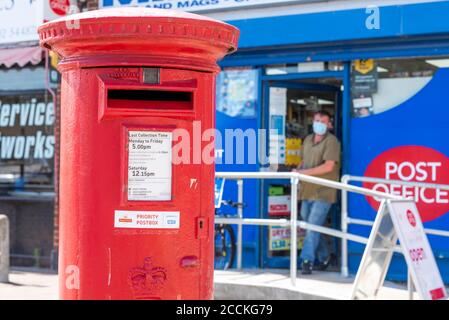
{"x":275,"y":284}
{"x":268,"y":284}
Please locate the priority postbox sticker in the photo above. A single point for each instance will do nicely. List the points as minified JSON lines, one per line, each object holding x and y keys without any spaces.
{"x":146,"y":219}
{"x":149,"y":165}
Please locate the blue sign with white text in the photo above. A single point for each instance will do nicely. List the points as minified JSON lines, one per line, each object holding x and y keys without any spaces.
{"x":191,"y":5}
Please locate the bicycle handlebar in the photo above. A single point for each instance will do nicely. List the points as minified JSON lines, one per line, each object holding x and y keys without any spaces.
{"x":233,"y":204}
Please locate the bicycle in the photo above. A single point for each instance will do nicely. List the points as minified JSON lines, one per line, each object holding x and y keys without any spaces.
{"x":225,"y":243}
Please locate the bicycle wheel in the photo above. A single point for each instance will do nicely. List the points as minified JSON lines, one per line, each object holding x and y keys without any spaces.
{"x":225,"y":248}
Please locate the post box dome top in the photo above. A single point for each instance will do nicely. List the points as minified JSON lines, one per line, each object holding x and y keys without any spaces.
{"x":139,"y":36}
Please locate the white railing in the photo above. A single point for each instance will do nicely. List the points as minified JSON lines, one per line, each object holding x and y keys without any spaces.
{"x":295,"y":178}
{"x":346,"y":220}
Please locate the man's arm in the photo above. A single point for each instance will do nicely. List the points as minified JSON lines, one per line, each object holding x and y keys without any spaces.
{"x":326,"y":167}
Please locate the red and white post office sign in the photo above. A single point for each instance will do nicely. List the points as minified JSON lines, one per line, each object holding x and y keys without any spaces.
{"x":59,"y":7}
{"x":413,"y":164}
{"x":54,"y":9}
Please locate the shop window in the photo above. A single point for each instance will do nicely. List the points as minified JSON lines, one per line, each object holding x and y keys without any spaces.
{"x":390,"y":82}
{"x":237,"y":92}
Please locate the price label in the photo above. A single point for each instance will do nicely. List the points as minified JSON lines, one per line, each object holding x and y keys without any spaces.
{"x":149,"y":166}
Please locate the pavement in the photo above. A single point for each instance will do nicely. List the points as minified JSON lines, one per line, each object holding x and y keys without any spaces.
{"x":30,"y":284}
{"x":272,"y":284}
{"x":276,"y":284}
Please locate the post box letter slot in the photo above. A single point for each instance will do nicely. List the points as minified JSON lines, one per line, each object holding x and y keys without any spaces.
{"x":150,"y":99}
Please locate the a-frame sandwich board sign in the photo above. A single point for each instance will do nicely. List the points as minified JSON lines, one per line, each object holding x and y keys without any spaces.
{"x":398,"y":220}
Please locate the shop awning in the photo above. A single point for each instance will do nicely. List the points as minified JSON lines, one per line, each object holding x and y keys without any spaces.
{"x":20,"y":56}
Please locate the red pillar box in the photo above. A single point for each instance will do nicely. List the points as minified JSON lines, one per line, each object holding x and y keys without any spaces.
{"x":135,"y":223}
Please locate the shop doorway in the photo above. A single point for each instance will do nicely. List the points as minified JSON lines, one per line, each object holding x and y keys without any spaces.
{"x":289,"y":107}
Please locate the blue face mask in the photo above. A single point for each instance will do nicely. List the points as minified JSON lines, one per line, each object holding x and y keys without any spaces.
{"x":319,"y":128}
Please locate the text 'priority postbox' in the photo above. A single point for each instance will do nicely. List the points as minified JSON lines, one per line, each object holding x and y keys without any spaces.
{"x":136,"y":210}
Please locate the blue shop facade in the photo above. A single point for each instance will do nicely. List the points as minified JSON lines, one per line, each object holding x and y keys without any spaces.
{"x":384,"y":81}
{"x":381,"y":68}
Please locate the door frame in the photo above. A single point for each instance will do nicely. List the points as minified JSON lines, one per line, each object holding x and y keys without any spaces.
{"x":342,"y":128}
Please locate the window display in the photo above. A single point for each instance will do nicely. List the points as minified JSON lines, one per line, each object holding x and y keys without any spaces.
{"x":294,"y":104}
{"x":396,"y":81}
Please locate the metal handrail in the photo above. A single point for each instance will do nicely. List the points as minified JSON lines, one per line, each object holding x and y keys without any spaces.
{"x":305,"y":178}
{"x":346,"y":220}
{"x":295,"y":178}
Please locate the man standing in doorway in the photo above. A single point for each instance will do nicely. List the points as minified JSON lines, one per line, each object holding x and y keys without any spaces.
{"x":320,"y":156}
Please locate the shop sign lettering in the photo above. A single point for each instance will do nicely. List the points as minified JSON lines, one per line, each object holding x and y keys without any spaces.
{"x":26,"y":130}
{"x":413,"y":164}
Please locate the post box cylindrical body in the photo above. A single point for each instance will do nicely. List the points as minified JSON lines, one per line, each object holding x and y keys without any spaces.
{"x":136,"y":163}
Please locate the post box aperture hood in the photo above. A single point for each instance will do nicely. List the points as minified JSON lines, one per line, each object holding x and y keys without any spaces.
{"x":145,"y":36}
